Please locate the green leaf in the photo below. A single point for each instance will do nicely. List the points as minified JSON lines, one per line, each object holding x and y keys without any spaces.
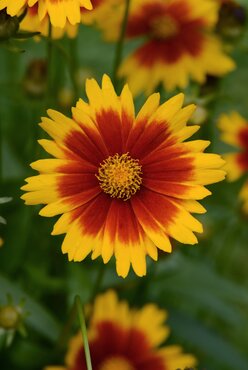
{"x":211,"y":345}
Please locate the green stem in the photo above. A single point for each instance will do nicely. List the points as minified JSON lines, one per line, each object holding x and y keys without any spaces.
{"x":73,"y":312}
{"x":70,"y":59}
{"x":120,"y":43}
{"x":81,"y":317}
{"x":73,"y":66}
{"x":49,"y":94}
{"x":1,"y":154}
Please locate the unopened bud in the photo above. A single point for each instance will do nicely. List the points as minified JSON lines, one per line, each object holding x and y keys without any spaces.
{"x":200,"y":115}
{"x":9,"y":317}
{"x":232,"y":19}
{"x":35,"y":79}
{"x":65,"y":97}
{"x":9,"y":26}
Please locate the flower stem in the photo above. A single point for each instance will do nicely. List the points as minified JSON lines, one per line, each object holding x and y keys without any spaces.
{"x":70,"y":57}
{"x":49,"y":64}
{"x":78,"y":304}
{"x":120,"y":43}
{"x":73,"y":66}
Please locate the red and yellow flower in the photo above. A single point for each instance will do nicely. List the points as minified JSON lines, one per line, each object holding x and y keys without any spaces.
{"x":234,"y":131}
{"x":125,"y":339}
{"x":178,"y":42}
{"x":59,"y":12}
{"x":124,"y":184}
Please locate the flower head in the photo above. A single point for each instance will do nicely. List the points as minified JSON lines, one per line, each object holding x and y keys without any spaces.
{"x":58,"y":11}
{"x":32,"y":23}
{"x":124,"y":184}
{"x":120,"y":338}
{"x":178,"y":42}
{"x":234,"y":131}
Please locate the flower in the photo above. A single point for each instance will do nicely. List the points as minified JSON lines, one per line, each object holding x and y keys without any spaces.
{"x":102,"y":10}
{"x":178,"y":43}
{"x":126,"y":339}
{"x":58,"y":11}
{"x":234,"y":131}
{"x":124,"y":185}
{"x":32,"y":23}
{"x":112,"y":10}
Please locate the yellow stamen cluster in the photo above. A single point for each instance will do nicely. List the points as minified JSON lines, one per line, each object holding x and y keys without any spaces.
{"x":114,"y":363}
{"x":164,"y":27}
{"x":120,"y":176}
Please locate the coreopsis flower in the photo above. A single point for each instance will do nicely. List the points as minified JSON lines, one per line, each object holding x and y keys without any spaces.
{"x":58,"y":11}
{"x":124,"y":184}
{"x":178,"y":44}
{"x":234,"y":131}
{"x":121,"y":338}
{"x":32,"y":23}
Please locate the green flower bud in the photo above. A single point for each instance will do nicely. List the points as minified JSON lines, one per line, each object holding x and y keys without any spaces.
{"x":9,"y":317}
{"x":232,"y":20}
{"x":9,"y":26}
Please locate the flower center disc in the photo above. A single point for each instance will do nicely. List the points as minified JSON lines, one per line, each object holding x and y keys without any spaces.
{"x":120,"y":176}
{"x":116,"y":363}
{"x":164,"y":27}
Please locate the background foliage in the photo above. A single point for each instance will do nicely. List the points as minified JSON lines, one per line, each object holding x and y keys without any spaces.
{"x":204,"y":288}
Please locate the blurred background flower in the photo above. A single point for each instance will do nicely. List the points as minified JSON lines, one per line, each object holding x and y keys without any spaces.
{"x":58,"y":11}
{"x":179,"y":42}
{"x":234,"y":131}
{"x":126,"y":339}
